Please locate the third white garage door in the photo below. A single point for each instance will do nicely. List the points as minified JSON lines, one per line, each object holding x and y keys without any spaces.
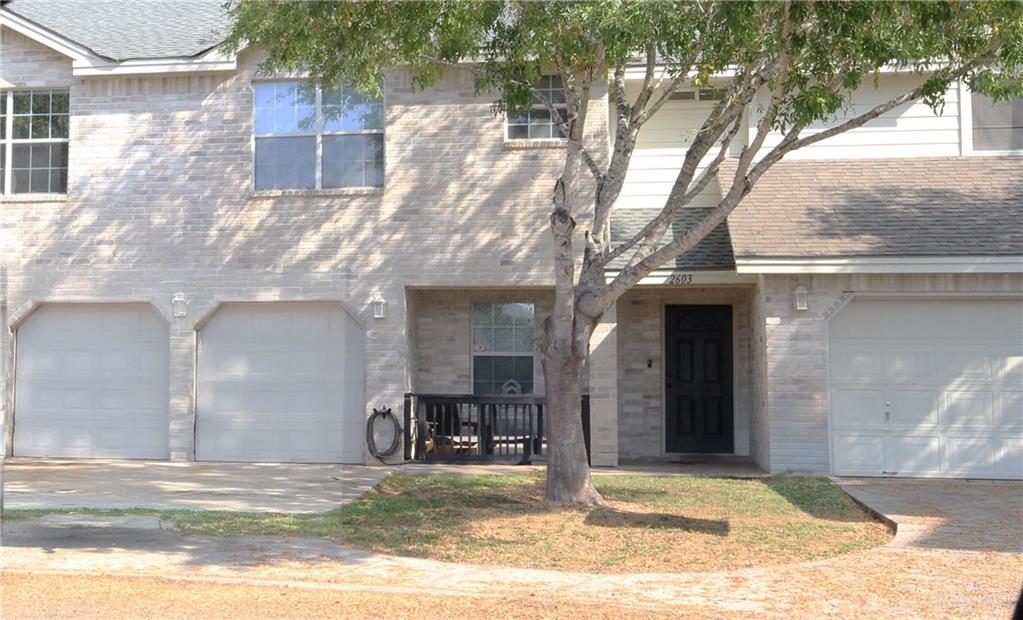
{"x":280,"y":382}
{"x":928,"y":388}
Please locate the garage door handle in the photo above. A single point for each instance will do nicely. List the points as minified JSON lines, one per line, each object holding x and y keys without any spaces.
{"x":889,"y":473}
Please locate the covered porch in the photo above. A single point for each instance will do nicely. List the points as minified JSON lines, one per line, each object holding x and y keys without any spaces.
{"x":671,"y":379}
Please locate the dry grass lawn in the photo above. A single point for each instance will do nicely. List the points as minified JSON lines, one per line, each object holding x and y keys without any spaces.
{"x":650,"y":523}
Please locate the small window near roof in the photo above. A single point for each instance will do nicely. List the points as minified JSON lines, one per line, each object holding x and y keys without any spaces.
{"x":538,"y":124}
{"x":34,"y":141}
{"x":313,"y":138}
{"x":997,"y":125}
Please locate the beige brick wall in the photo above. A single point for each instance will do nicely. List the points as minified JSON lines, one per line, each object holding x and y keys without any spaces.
{"x":160,"y":201}
{"x":797,"y":350}
{"x":641,"y":388}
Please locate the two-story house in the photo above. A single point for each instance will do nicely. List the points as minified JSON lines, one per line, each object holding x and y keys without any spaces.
{"x":205,"y":263}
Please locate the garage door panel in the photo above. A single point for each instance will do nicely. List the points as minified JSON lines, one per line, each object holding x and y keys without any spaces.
{"x":968,"y":409}
{"x":856,"y":362}
{"x":859,"y":453}
{"x":909,"y":362}
{"x":859,"y":409}
{"x":913,"y":456}
{"x":971,"y":455}
{"x":91,"y":380}
{"x":905,"y":319}
{"x":958,"y":362}
{"x":277,"y":382}
{"x":913,"y":409}
{"x":958,"y":320}
{"x":1009,"y":459}
{"x":1010,"y":414}
{"x":1010,"y":364}
{"x":859,"y":321}
{"x":1005,"y":318}
{"x":952,"y":371}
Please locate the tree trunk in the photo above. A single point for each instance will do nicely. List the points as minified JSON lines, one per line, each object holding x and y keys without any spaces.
{"x":568,"y":471}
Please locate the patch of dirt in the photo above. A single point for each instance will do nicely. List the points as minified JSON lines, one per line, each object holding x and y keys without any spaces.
{"x":31,"y":596}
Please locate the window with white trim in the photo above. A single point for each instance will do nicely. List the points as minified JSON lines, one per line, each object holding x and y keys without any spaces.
{"x":997,"y":125}
{"x":502,"y":348}
{"x":309,"y":137}
{"x":33,"y":141}
{"x":537,"y":123}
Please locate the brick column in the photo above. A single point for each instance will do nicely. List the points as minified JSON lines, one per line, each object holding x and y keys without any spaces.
{"x":387,"y":361}
{"x":182,"y":377}
{"x":604,"y":391}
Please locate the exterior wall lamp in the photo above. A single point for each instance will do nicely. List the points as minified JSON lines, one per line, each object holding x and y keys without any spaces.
{"x":179,"y":304}
{"x":379,"y":308}
{"x":800,"y":298}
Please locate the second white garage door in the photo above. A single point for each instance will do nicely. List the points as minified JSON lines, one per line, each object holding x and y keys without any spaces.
{"x":280,"y":382}
{"x":928,"y":388}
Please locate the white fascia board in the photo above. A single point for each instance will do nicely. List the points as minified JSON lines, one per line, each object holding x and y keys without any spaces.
{"x":942,"y":264}
{"x":86,"y":63}
{"x":688,"y":279}
{"x":203,"y":63}
{"x":638,"y":71}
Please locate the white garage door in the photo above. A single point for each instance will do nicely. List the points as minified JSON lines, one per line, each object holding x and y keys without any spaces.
{"x":91,"y":380}
{"x":928,"y":388}
{"x":280,"y":382}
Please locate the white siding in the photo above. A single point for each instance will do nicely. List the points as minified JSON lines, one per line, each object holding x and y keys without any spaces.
{"x":908,"y":131}
{"x":660,"y":150}
{"x":912,"y":130}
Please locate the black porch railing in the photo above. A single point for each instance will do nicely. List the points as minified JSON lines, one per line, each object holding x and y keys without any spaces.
{"x":465,"y":428}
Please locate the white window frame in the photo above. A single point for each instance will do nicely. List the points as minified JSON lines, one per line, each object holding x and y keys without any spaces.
{"x":555,"y":136}
{"x":704,"y":94}
{"x":966,"y":127}
{"x":8,"y":142}
{"x":473,"y":353}
{"x":319,"y":133}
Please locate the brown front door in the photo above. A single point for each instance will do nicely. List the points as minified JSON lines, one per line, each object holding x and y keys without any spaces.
{"x":698,"y":378}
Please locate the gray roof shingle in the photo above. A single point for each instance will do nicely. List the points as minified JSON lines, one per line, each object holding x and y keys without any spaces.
{"x":713,"y":252}
{"x":129,"y":29}
{"x":964,"y":206}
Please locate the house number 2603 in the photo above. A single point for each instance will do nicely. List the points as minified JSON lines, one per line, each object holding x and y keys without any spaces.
{"x":680,"y":278}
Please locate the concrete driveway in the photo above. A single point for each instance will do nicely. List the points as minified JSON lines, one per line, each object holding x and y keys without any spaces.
{"x":246,"y":487}
{"x":981,"y":515}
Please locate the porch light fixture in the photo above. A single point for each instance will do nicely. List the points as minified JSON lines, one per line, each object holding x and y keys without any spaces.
{"x":379,"y":308}
{"x":179,"y":304}
{"x":800,"y":297}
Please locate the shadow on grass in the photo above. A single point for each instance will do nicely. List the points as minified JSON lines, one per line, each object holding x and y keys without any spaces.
{"x":610,"y":517}
{"x":817,"y":497}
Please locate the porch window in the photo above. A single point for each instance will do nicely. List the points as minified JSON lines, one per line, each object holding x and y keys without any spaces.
{"x":502,"y":348}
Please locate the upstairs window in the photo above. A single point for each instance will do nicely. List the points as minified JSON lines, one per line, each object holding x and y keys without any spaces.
{"x":537,"y":124}
{"x":33,"y":141}
{"x":997,"y":125}
{"x":317,"y":138}
{"x":502,"y":348}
